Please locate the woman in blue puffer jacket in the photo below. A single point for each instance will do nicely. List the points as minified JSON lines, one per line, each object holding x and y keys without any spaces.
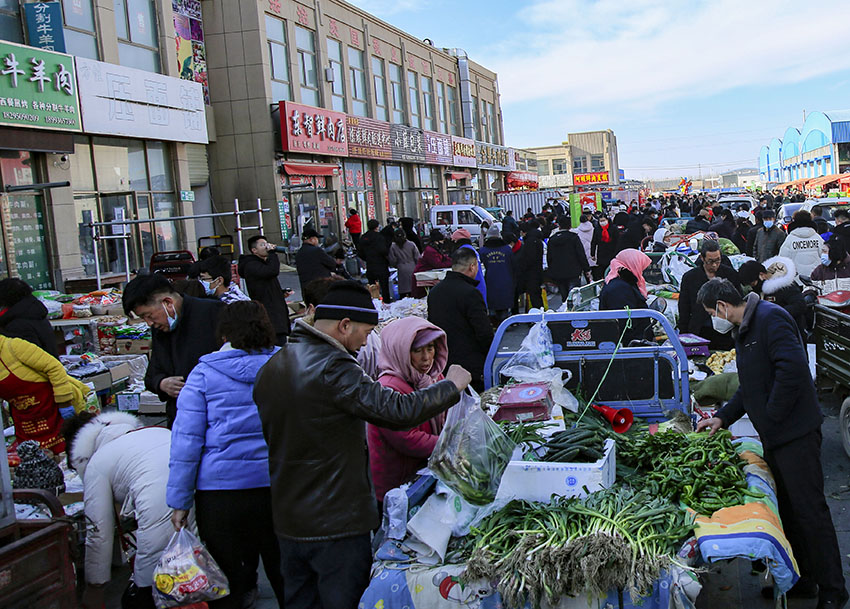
{"x":219,"y":459}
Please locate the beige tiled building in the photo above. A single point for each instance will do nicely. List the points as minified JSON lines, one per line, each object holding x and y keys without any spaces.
{"x":585,"y":153}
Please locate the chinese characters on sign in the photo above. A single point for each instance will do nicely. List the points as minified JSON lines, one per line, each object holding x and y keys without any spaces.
{"x":408,"y":144}
{"x":44,"y":26}
{"x":313,"y":130}
{"x":491,"y":156}
{"x":24,"y":219}
{"x":463,"y":152}
{"x":438,"y":148}
{"x":37,"y":88}
{"x":369,"y":138}
{"x":599,"y":177}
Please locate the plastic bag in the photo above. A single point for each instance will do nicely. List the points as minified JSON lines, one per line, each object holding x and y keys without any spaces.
{"x":186,"y":573}
{"x":535,"y":353}
{"x":673,"y":268}
{"x":472,"y":452}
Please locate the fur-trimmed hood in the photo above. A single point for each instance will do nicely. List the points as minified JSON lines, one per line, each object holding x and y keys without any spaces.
{"x":96,"y":433}
{"x":782,"y":274}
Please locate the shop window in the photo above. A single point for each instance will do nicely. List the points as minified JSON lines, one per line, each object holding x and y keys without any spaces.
{"x":452,"y":109}
{"x":359,"y":104}
{"x":597,"y":163}
{"x":397,"y":89}
{"x":428,"y":103}
{"x":441,"y":106}
{"x":359,"y":186}
{"x":380,"y":88}
{"x":485,"y":123}
{"x":444,"y":218}
{"x":79,"y":31}
{"x":543,"y":167}
{"x":413,"y":98}
{"x":10,"y":21}
{"x":338,"y":84}
{"x":278,"y":58}
{"x":135,"y":24}
{"x":305,"y":43}
{"x":493,"y":122}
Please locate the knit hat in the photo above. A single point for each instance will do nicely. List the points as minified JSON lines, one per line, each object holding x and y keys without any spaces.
{"x":348,"y":299}
{"x":461,"y":233}
{"x":37,"y":470}
{"x":493,"y":232}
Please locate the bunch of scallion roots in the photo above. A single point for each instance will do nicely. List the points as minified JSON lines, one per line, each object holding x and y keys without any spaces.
{"x":616,"y":538}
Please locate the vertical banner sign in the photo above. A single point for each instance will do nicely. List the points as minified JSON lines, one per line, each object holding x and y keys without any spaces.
{"x":285,"y":220}
{"x":189,"y":38}
{"x":37,"y":89}
{"x":386,"y":198}
{"x":44,"y":26}
{"x":370,"y":208}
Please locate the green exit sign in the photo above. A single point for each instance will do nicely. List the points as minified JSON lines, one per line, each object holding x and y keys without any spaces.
{"x":187,"y":195}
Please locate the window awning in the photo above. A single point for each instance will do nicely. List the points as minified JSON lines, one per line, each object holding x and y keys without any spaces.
{"x":311,"y":169}
{"x":824,"y":180}
{"x":459,"y":175}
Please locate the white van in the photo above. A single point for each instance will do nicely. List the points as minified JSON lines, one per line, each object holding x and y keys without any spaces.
{"x":449,"y":218}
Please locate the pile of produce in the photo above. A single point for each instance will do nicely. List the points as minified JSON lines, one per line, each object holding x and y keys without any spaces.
{"x":618,"y":537}
{"x":703,"y":472}
{"x":717,"y":360}
{"x":575,"y":445}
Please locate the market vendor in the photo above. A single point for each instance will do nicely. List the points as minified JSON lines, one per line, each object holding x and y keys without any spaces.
{"x":692,"y":317}
{"x":22,"y":315}
{"x":777,"y":392}
{"x":313,"y":399}
{"x":182,"y":330}
{"x":413,"y":356}
{"x":37,"y":386}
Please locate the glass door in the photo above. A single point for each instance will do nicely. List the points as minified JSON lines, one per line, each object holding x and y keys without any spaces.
{"x":116,"y":206}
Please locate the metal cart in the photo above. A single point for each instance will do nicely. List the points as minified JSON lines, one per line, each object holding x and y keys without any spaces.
{"x":649,"y":380}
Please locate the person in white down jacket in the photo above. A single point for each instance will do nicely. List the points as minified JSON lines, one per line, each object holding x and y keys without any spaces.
{"x":121,"y":464}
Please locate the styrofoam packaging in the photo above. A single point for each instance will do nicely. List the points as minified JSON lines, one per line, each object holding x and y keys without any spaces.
{"x":539,"y":480}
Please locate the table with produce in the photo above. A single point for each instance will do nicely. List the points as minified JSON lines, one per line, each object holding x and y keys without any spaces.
{"x":560,"y":510}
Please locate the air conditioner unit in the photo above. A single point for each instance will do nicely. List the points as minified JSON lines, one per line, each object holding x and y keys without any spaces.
{"x":329,"y":74}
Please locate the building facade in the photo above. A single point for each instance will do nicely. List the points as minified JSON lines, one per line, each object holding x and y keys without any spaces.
{"x":321,"y":107}
{"x":587,"y":159}
{"x":820,"y":148}
{"x":106,"y":131}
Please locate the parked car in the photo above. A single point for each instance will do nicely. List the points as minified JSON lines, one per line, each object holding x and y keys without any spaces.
{"x":828,"y":206}
{"x":733,"y":200}
{"x":786,"y":213}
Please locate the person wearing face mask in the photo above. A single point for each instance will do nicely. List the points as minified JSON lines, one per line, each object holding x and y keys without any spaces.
{"x":217,"y":278}
{"x":769,"y":239}
{"x":413,"y":355}
{"x":313,"y":400}
{"x":777,"y":392}
{"x":182,"y":331}
{"x":775,"y":282}
{"x":603,"y":247}
{"x":833,"y":273}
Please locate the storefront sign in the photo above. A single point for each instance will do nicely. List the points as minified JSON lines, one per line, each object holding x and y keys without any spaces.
{"x":370,"y":205}
{"x":23,"y":216}
{"x":463,"y":152}
{"x":491,"y":156}
{"x":438,"y":148}
{"x":598,"y":177}
{"x":408,"y":144}
{"x":313,"y":130}
{"x":37,"y":89}
{"x":386,"y":198}
{"x":117,"y":100}
{"x":369,"y":138}
{"x":285,"y":218}
{"x":187,"y":195}
{"x":44,"y":26}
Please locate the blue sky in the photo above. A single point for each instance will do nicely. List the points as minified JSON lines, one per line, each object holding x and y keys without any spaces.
{"x":682,"y":83}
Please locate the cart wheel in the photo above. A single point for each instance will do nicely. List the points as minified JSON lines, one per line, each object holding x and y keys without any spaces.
{"x":844,"y":422}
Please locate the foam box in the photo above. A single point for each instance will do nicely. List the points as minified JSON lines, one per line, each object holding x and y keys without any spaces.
{"x":539,"y":480}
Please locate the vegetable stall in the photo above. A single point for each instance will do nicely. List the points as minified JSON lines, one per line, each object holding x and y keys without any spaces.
{"x":551,"y":507}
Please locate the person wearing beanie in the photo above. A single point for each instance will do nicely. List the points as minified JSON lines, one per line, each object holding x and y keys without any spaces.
{"x":497,"y":257}
{"x":432,"y":258}
{"x":774,"y":281}
{"x":770,"y":238}
{"x":37,"y":469}
{"x":314,"y":399}
{"x":374,"y":249}
{"x":462,"y":238}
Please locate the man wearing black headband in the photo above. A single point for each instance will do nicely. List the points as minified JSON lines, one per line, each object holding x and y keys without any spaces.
{"x":314,"y":400}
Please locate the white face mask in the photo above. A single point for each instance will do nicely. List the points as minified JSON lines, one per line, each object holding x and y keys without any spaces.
{"x":172,"y":321}
{"x":721,"y":324}
{"x":208,"y":289}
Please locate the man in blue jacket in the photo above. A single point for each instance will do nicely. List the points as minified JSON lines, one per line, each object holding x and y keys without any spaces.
{"x":777,"y":392}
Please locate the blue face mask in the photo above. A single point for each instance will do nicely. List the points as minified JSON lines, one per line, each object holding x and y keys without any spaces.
{"x":824,"y":259}
{"x":768,"y":224}
{"x":172,"y":321}
{"x":207,"y":287}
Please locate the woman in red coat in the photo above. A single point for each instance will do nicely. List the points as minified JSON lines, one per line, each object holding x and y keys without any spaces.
{"x":413,"y":355}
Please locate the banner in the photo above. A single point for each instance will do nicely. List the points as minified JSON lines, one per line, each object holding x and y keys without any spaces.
{"x":44,"y":26}
{"x":313,"y":130}
{"x":583,"y":179}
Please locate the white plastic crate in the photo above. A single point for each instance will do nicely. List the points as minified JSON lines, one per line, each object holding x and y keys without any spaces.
{"x":539,"y":480}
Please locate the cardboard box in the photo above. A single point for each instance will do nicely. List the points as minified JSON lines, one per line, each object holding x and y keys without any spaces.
{"x":100,"y":382}
{"x":539,"y":480}
{"x":132,"y":346}
{"x":120,"y":372}
{"x":149,"y":403}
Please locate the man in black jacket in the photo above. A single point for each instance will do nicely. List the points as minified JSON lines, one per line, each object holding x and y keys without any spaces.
{"x":373,"y":249}
{"x":456,"y":306}
{"x":566,"y":258}
{"x":692,"y":317}
{"x":22,"y":315}
{"x":311,"y":261}
{"x":260,"y":269}
{"x":699,"y":223}
{"x":842,"y":225}
{"x":774,"y":282}
{"x":529,"y":264}
{"x":777,"y":392}
{"x":314,"y":400}
{"x":182,"y":330}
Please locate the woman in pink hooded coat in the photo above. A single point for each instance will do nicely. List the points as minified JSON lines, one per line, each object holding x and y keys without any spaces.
{"x":413,"y":355}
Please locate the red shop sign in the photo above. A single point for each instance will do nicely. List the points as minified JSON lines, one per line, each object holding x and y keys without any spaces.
{"x":370,"y":208}
{"x":369,"y":138}
{"x":312,"y":130}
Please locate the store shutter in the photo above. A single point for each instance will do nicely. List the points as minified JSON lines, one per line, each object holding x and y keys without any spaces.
{"x":199,"y":169}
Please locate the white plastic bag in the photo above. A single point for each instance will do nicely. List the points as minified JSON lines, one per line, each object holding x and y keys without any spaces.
{"x":186,"y":573}
{"x":673,"y":268}
{"x":535,"y":354}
